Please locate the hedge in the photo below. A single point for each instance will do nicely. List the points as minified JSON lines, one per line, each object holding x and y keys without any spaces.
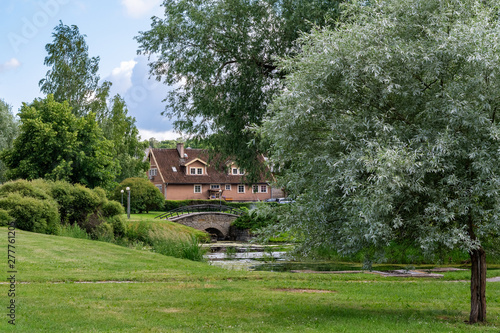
{"x":44,"y":206}
{"x":174,"y":204}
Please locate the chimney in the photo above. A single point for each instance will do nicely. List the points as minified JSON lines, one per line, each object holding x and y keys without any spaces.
{"x":180,"y":149}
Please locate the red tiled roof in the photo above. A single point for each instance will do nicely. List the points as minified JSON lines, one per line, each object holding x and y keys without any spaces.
{"x":166,"y":159}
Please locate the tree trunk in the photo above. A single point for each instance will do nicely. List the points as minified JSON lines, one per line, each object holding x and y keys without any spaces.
{"x":478,"y":286}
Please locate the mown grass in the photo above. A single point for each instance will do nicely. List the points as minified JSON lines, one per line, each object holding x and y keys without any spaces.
{"x":174,"y":295}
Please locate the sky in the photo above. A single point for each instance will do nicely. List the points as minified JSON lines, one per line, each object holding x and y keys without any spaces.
{"x":110,"y":27}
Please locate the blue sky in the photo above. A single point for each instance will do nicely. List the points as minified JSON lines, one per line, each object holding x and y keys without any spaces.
{"x":110,"y":26}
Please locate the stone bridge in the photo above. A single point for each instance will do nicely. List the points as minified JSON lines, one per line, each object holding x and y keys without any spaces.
{"x":214,"y":219}
{"x":216,"y":224}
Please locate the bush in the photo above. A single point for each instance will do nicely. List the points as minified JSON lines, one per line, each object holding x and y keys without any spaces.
{"x":32,"y":214}
{"x":174,"y":204}
{"x":112,"y":208}
{"x":25,"y":189}
{"x":76,"y":202}
{"x":253,"y":221}
{"x":118,"y":224}
{"x":5,"y":218}
{"x":103,"y":232}
{"x":74,"y":231}
{"x":144,"y":196}
{"x":73,"y":205}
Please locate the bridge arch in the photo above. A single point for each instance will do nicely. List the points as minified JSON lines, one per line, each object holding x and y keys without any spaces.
{"x":214,"y":219}
{"x":216,"y":233}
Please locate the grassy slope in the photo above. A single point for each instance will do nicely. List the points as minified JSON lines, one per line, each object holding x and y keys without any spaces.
{"x":172,"y":295}
{"x":174,"y":228}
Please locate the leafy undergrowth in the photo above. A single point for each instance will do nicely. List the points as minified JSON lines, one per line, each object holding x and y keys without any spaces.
{"x":164,"y":294}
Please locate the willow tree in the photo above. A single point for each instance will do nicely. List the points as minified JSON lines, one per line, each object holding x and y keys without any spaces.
{"x":220,"y":57}
{"x":388,"y":130}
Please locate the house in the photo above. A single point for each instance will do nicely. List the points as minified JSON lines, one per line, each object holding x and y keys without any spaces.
{"x":182,"y":174}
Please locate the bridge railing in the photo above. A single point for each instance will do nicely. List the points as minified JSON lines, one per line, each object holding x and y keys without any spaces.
{"x":200,"y":209}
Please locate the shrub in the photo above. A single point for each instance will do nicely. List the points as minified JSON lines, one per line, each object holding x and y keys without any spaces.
{"x":253,"y":221}
{"x":174,"y":204}
{"x":103,"y":232}
{"x":25,"y":189}
{"x":76,"y":202}
{"x":118,"y":224}
{"x":32,"y":214}
{"x":112,"y":208}
{"x":73,"y":231}
{"x":144,"y":196}
{"x":5,"y":218}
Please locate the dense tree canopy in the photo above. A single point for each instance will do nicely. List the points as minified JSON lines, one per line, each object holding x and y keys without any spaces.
{"x":128,"y":150}
{"x":73,"y":75}
{"x":73,"y":78}
{"x":54,"y":144}
{"x":221,"y":57}
{"x":388,"y":129}
{"x":8,"y":131}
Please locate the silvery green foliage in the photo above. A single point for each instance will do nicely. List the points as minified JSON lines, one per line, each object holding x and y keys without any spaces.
{"x":388,"y":129}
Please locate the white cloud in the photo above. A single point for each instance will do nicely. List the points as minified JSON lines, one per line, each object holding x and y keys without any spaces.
{"x":121,"y":77}
{"x":10,"y":64}
{"x":165,"y":135}
{"x":140,"y":8}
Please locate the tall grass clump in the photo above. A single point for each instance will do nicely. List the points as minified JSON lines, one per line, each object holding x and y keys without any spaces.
{"x":74,"y":231}
{"x":183,"y":247}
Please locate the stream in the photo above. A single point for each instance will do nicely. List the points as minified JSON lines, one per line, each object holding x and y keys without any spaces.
{"x":247,"y":256}
{"x":244,"y":256}
{"x":275,"y":258}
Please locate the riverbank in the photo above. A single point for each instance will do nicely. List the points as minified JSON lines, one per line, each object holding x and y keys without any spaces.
{"x":65,"y":284}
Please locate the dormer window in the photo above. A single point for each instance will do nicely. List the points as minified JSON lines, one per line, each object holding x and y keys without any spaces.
{"x":237,"y":171}
{"x":196,"y":171}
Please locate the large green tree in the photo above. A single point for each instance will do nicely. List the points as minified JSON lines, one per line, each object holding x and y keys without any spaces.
{"x":388,"y":130}
{"x":220,"y":56}
{"x":55,"y":144}
{"x":74,"y":78}
{"x":8,"y":131}
{"x":73,"y":74}
{"x":128,"y":150}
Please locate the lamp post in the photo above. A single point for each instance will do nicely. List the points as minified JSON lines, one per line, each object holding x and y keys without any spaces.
{"x":128,"y":202}
{"x":122,"y":196}
{"x":220,"y":198}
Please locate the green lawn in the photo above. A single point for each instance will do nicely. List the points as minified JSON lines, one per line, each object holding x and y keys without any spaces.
{"x":164,"y":294}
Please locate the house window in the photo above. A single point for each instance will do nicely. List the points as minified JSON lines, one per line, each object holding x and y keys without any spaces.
{"x":159,"y":187}
{"x":255,"y":188}
{"x":241,"y":188}
{"x":236,"y":171}
{"x":197,"y":189}
{"x":196,"y":171}
{"x":263,"y":188}
{"x":215,"y":187}
{"x":152,"y":172}
{"x":228,"y":187}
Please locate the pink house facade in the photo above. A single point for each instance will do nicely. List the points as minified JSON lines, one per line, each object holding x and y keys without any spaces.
{"x":183,"y":174}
